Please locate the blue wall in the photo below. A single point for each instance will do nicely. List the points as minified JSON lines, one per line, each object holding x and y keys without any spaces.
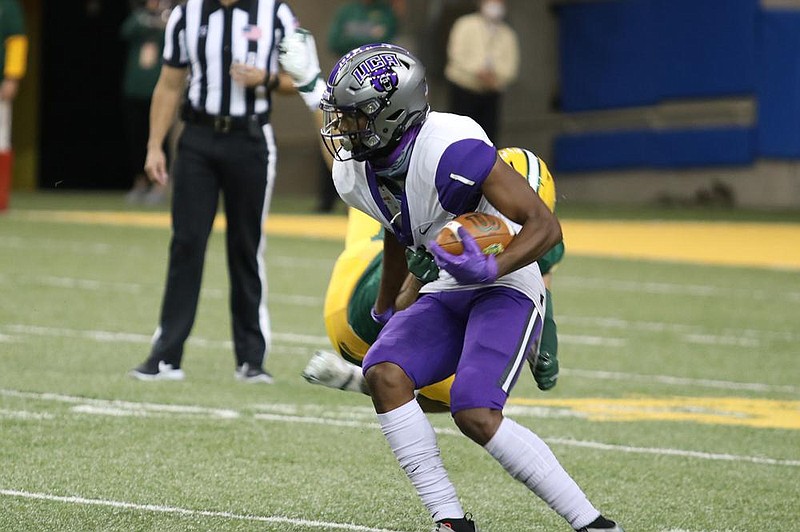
{"x":636,"y":52}
{"x":779,"y":85}
{"x":621,"y":53}
{"x":673,"y":148}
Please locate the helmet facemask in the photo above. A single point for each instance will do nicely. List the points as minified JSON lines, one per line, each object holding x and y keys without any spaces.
{"x":351,"y":129}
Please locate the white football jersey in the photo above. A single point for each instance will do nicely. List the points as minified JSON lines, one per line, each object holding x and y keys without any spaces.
{"x":451,"y":158}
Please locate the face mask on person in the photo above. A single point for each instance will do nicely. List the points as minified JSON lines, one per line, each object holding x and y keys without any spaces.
{"x":494,"y":11}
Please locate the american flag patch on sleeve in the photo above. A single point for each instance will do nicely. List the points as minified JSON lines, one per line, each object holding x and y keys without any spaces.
{"x":251,"y":32}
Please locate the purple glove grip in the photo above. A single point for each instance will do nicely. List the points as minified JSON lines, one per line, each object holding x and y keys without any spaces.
{"x":471,"y":267}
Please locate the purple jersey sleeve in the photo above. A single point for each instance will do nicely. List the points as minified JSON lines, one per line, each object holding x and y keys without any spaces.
{"x":463,"y":168}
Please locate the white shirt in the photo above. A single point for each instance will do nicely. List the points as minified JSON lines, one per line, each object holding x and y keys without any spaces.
{"x":209,"y":38}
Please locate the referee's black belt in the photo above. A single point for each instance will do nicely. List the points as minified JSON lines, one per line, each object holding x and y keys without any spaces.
{"x":225,"y":124}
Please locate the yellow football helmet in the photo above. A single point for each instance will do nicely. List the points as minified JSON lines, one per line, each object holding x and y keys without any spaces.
{"x":534,"y":170}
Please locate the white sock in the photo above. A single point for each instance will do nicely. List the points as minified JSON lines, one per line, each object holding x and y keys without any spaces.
{"x":528,"y":459}
{"x":413,"y":443}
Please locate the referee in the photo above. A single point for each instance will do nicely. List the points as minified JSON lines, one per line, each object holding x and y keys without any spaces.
{"x":220,"y":59}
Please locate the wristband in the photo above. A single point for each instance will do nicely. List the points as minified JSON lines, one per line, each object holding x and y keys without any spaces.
{"x":311,"y":85}
{"x":312,"y":92}
{"x":382,"y":318}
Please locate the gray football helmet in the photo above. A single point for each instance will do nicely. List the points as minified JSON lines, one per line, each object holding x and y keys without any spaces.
{"x":374,"y":94}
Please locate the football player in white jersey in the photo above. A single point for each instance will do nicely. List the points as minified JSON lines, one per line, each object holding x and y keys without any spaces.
{"x":414,"y":170}
{"x":354,"y":284}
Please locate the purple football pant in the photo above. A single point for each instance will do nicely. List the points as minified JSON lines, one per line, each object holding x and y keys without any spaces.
{"x":480,"y":335}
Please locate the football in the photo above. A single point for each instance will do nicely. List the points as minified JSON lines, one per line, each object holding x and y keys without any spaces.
{"x":491,"y":233}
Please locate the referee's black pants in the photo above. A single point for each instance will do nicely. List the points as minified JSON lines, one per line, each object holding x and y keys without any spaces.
{"x":242,"y":167}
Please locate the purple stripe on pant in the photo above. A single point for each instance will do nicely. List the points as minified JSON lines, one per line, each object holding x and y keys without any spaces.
{"x":480,"y":335}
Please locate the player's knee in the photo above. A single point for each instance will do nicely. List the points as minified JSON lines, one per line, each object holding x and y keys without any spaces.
{"x":478,"y":424}
{"x":388,"y":379}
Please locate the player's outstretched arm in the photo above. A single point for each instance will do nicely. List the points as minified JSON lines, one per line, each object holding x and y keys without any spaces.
{"x":297,"y":55}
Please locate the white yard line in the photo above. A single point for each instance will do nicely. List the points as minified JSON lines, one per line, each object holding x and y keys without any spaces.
{"x":221,"y":413}
{"x":112,"y":336}
{"x":93,"y":285}
{"x":189,"y":512}
{"x":311,"y":341}
{"x":284,"y":414}
{"x":569,"y":442}
{"x":599,"y":446}
{"x":207,"y":513}
{"x":692,"y":334}
{"x":24,"y":415}
{"x":682,"y":329}
{"x":652,"y":287}
{"x":297,"y":343}
{"x":680,"y":381}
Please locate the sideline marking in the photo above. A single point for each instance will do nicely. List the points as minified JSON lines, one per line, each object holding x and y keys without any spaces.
{"x":188,"y":512}
{"x":207,"y":513}
{"x":735,"y":411}
{"x":24,"y":415}
{"x":291,"y":413}
{"x":598,"y":446}
{"x":290,"y":338}
{"x":680,"y":381}
{"x":747,"y":244}
{"x":303,"y":341}
{"x":574,"y":282}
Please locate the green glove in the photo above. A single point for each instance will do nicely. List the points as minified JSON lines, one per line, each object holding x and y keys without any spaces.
{"x":421,"y":265}
{"x":545,"y":372}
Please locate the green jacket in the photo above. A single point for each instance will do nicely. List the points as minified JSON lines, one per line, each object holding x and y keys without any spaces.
{"x":12,"y":25}
{"x":144,"y":33}
{"x":357,"y":23}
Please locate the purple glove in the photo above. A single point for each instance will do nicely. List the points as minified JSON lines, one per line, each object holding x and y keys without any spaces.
{"x":471,"y":267}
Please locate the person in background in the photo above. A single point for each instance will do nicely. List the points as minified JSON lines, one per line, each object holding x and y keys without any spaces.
{"x":361,"y":22}
{"x":143,"y":32}
{"x":355,"y":23}
{"x":482,"y":60}
{"x":227,"y":147}
{"x":13,"y":64}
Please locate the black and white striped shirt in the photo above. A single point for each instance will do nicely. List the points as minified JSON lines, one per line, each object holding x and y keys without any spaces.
{"x":208,"y":37}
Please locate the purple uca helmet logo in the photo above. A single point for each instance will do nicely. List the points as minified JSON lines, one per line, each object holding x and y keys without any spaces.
{"x":379,"y":71}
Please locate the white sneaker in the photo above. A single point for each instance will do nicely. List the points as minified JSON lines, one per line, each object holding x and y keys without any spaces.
{"x":331,"y":370}
{"x":252,"y":374}
{"x":162,"y":372}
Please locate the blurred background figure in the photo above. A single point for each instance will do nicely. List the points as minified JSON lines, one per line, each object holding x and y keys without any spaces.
{"x":13,"y":62}
{"x":355,"y":24}
{"x":361,"y":22}
{"x":143,"y":31}
{"x":482,"y":60}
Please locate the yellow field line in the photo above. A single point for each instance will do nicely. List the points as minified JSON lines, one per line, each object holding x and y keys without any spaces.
{"x":770,"y":245}
{"x":763,"y":245}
